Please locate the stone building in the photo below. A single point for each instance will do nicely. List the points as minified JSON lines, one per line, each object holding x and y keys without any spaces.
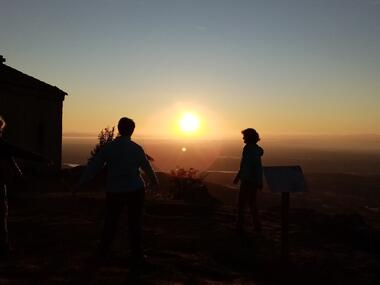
{"x":33,"y":112}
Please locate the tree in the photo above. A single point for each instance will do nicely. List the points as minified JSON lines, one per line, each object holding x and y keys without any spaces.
{"x":105,"y":136}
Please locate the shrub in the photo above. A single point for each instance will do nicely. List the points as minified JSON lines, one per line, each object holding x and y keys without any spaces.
{"x":184,"y":182}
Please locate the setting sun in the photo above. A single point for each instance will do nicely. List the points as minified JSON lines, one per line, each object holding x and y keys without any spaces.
{"x":189,"y":123}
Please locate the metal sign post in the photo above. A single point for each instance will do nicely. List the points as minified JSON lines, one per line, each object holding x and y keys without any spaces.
{"x":285,"y":180}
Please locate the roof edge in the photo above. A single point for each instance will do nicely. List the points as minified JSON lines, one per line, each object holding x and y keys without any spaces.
{"x":59,"y":91}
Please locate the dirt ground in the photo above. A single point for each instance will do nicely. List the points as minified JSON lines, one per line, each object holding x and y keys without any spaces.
{"x":54,"y":236}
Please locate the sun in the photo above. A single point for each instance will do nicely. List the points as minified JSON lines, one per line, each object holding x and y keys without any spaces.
{"x":189,"y":123}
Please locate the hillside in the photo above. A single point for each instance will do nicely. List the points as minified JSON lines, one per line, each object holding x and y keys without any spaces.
{"x":54,"y":235}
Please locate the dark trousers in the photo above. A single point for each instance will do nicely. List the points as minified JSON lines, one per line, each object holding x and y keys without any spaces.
{"x":115,"y":203}
{"x":4,"y":239}
{"x":248,"y":196}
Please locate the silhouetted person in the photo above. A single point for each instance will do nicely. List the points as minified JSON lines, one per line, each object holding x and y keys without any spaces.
{"x":8,"y":168}
{"x":125,"y":187}
{"x":251,"y":178}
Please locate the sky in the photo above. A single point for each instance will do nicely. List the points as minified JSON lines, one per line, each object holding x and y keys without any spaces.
{"x":280,"y":66}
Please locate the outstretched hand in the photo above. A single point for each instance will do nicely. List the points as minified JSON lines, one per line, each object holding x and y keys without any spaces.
{"x":236,"y":180}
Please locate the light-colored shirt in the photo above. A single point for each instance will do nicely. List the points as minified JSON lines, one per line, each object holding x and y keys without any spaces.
{"x":123,"y":159}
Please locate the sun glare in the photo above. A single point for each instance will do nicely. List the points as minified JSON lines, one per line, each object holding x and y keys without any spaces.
{"x":189,"y":123}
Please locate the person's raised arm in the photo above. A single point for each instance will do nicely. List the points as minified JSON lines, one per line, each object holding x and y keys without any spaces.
{"x":147,"y":168}
{"x":237,"y":178}
{"x":18,"y":152}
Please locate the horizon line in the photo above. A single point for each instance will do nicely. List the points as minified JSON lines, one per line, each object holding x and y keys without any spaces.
{"x":267,"y":135}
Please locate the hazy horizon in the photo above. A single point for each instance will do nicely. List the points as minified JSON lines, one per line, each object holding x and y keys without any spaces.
{"x":343,"y":141}
{"x":323,"y":155}
{"x":355,"y":137}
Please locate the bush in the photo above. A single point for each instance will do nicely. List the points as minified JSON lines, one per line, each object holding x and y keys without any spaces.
{"x":186,"y":182}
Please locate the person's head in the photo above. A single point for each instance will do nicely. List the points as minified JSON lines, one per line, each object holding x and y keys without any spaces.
{"x":2,"y":125}
{"x":250,"y":135}
{"x":126,"y":126}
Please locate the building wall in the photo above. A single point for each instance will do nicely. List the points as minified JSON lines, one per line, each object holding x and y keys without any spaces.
{"x":33,"y":122}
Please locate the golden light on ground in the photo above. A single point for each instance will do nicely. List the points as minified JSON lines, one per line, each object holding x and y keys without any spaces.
{"x":184,"y":149}
{"x":189,"y":123}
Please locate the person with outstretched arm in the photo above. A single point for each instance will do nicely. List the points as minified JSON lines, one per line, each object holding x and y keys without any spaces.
{"x":8,"y":168}
{"x":123,"y":160}
{"x":250,"y":176}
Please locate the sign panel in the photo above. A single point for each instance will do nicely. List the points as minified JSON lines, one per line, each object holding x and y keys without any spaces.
{"x":285,"y":178}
